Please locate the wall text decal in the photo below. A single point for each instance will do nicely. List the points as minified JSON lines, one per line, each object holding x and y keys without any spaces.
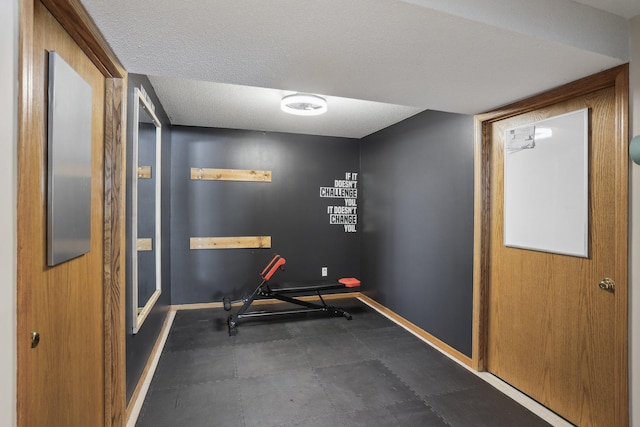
{"x":347,"y":189}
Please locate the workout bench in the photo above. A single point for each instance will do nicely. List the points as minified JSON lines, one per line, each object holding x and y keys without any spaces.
{"x":265,"y":290}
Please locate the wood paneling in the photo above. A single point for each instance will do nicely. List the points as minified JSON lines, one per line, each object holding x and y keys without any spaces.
{"x":230,"y":175}
{"x":541,"y":322}
{"x":239,"y":242}
{"x":77,"y":22}
{"x":481,"y":233}
{"x":62,"y":380}
{"x":621,"y":199}
{"x":114,"y":250}
{"x":76,"y":375}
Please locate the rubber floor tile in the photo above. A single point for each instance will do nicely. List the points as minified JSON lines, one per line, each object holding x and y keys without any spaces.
{"x":210,"y":404}
{"x":366,"y":319}
{"x":198,"y":337}
{"x":358,"y":386}
{"x":252,"y":331}
{"x":390,"y":340}
{"x":199,"y":405}
{"x":268,"y":358}
{"x":194,"y":366}
{"x":373,"y":417}
{"x":157,"y":405}
{"x":415,"y":413}
{"x":313,"y":371}
{"x":283,"y":398}
{"x":426,"y":371}
{"x":482,"y":406}
{"x":333,"y":349}
{"x":311,"y":326}
{"x":322,"y":421}
{"x":191,"y":319}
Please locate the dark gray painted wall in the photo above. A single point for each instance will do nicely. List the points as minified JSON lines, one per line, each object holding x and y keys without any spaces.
{"x":146,"y":212}
{"x":417,"y":239}
{"x":289,"y":209}
{"x":139,"y":346}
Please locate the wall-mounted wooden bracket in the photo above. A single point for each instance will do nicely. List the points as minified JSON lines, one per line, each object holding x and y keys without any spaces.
{"x":230,"y":175}
{"x":144,"y":244}
{"x":240,"y":242}
{"x":144,"y":172}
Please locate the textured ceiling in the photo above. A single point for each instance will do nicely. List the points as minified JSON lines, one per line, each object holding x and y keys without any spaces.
{"x":218,"y":63}
{"x":194,"y":103}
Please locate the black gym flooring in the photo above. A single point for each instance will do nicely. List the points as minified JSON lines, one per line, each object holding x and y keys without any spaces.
{"x":315,"y":371}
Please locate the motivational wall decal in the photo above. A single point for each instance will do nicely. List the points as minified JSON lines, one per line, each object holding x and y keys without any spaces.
{"x":346,"y":189}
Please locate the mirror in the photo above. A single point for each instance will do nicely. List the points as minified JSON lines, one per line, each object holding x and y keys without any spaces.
{"x":145,"y":201}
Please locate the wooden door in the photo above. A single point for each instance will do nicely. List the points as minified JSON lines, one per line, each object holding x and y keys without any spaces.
{"x":62,"y":381}
{"x":551,"y":331}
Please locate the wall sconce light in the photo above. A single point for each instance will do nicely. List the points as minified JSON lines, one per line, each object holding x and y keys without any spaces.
{"x":634,"y":149}
{"x":303,"y":105}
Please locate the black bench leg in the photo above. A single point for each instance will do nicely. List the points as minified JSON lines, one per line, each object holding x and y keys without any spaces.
{"x":232,"y":324}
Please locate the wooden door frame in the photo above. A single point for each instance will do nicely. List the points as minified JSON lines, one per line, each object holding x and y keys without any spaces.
{"x":75,"y":20}
{"x":619,"y":79}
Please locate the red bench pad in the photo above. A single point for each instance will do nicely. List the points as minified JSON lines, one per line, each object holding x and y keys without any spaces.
{"x":350,"y":282}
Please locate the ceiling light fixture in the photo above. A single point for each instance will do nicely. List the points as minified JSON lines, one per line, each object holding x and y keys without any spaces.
{"x":303,"y":105}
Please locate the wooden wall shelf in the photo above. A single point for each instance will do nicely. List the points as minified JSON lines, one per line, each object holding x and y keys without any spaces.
{"x":144,"y":172}
{"x":201,"y":174}
{"x":240,"y":242}
{"x":144,"y":245}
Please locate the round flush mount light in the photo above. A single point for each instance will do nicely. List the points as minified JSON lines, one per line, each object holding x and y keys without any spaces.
{"x":304,"y":105}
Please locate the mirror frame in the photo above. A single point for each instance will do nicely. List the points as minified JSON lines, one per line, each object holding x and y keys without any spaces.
{"x":139,"y":317}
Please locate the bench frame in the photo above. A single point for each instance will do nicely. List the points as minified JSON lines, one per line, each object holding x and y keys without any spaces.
{"x":264,"y":290}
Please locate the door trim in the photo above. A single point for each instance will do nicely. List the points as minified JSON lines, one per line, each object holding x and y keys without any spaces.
{"x":619,"y":79}
{"x":76,"y":21}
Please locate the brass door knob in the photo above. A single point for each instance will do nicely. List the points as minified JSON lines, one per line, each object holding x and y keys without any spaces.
{"x":607,"y":285}
{"x":35,"y":339}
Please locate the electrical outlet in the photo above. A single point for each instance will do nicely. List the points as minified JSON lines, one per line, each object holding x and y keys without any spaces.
{"x":324,"y":271}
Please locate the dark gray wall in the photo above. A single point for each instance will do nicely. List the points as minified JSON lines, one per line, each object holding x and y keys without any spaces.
{"x":146,"y":212}
{"x":289,"y":209}
{"x":417,"y":239}
{"x":139,"y":346}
